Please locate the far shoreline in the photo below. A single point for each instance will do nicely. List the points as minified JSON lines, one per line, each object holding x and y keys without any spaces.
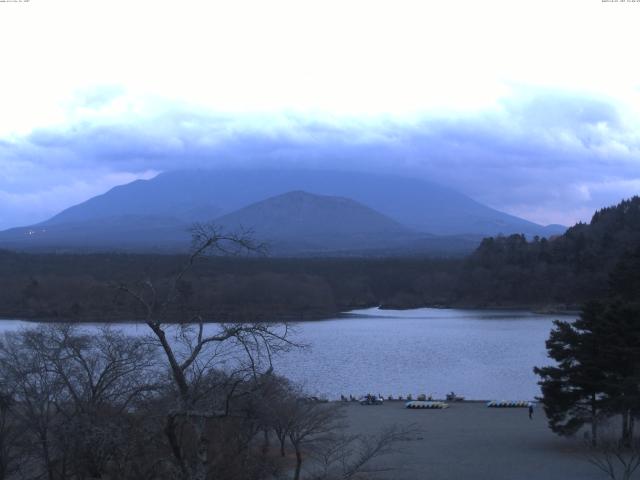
{"x":561,"y":310}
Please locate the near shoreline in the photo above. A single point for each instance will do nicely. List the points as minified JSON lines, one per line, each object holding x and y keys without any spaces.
{"x":469,"y":440}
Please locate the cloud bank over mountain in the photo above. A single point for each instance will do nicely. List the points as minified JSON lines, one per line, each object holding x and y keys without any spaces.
{"x":515,"y":104}
{"x":547,"y":155}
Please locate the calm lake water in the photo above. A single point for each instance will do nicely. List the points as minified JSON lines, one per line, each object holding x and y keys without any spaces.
{"x":481,"y":354}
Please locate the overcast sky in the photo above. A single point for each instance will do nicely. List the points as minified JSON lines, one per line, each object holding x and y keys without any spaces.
{"x":532,"y":107}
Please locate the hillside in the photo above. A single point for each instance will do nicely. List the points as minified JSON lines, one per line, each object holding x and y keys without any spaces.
{"x":128,"y":232}
{"x":295,"y":223}
{"x":299,"y":221}
{"x":570,"y":268}
{"x":344,"y":213}
{"x":204,"y":195}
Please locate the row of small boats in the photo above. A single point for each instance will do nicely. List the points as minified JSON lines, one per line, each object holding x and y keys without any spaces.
{"x":492,"y":404}
{"x":429,"y":403}
{"x":509,"y":404}
{"x":426,"y":404}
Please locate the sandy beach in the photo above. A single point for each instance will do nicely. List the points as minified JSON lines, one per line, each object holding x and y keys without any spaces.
{"x":470,"y":441}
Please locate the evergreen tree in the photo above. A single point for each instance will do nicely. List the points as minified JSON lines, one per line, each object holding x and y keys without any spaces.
{"x":624,"y":281}
{"x":574,"y":391}
{"x":598,"y":369}
{"x":620,"y":355}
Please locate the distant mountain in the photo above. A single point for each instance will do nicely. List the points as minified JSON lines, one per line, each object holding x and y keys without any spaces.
{"x":299,"y":210}
{"x":187,"y":196}
{"x":553,"y":229}
{"x":301,"y":221}
{"x":123,"y":232}
{"x":204,"y":195}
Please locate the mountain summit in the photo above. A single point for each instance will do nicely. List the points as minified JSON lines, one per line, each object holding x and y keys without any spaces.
{"x":303,"y":220}
{"x":311,"y":210}
{"x":191,"y":195}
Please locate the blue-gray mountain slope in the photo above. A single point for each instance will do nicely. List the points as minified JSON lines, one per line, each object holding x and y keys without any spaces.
{"x":303,"y":222}
{"x":205,"y":195}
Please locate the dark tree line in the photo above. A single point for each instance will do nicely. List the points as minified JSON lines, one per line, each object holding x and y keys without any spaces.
{"x":81,"y":287}
{"x":569,"y":269}
{"x":563,"y":272}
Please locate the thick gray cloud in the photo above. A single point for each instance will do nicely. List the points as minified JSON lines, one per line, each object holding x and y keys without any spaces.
{"x":551,"y":157}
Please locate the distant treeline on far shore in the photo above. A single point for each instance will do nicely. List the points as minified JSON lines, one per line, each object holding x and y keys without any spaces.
{"x":511,"y":271}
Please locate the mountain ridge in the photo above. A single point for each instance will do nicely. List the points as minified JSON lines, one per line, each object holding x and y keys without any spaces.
{"x":156,"y":213}
{"x":419,"y":204}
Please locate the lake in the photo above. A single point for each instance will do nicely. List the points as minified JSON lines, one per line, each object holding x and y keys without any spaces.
{"x":481,"y":354}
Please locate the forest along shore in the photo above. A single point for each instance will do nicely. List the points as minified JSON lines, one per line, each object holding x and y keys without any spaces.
{"x":83,"y":288}
{"x":556,"y":274}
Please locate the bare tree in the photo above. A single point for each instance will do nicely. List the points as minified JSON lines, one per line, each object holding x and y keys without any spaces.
{"x":191,"y":352}
{"x":347,"y":457}
{"x":103,"y":375}
{"x":72,"y":392}
{"x":278,"y":408}
{"x":618,"y":458}
{"x":10,"y":436}
{"x":311,"y":423}
{"x":38,"y":392}
{"x":316,"y":432}
{"x":107,"y":369}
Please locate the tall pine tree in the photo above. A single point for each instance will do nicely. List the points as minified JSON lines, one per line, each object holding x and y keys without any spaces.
{"x":620,"y":343}
{"x":597,"y":374}
{"x":574,"y":391}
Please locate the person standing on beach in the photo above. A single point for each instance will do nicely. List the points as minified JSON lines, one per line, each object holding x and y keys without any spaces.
{"x":530,"y":412}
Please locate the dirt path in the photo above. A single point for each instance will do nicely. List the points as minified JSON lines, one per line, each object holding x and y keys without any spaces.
{"x":471,"y":441}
